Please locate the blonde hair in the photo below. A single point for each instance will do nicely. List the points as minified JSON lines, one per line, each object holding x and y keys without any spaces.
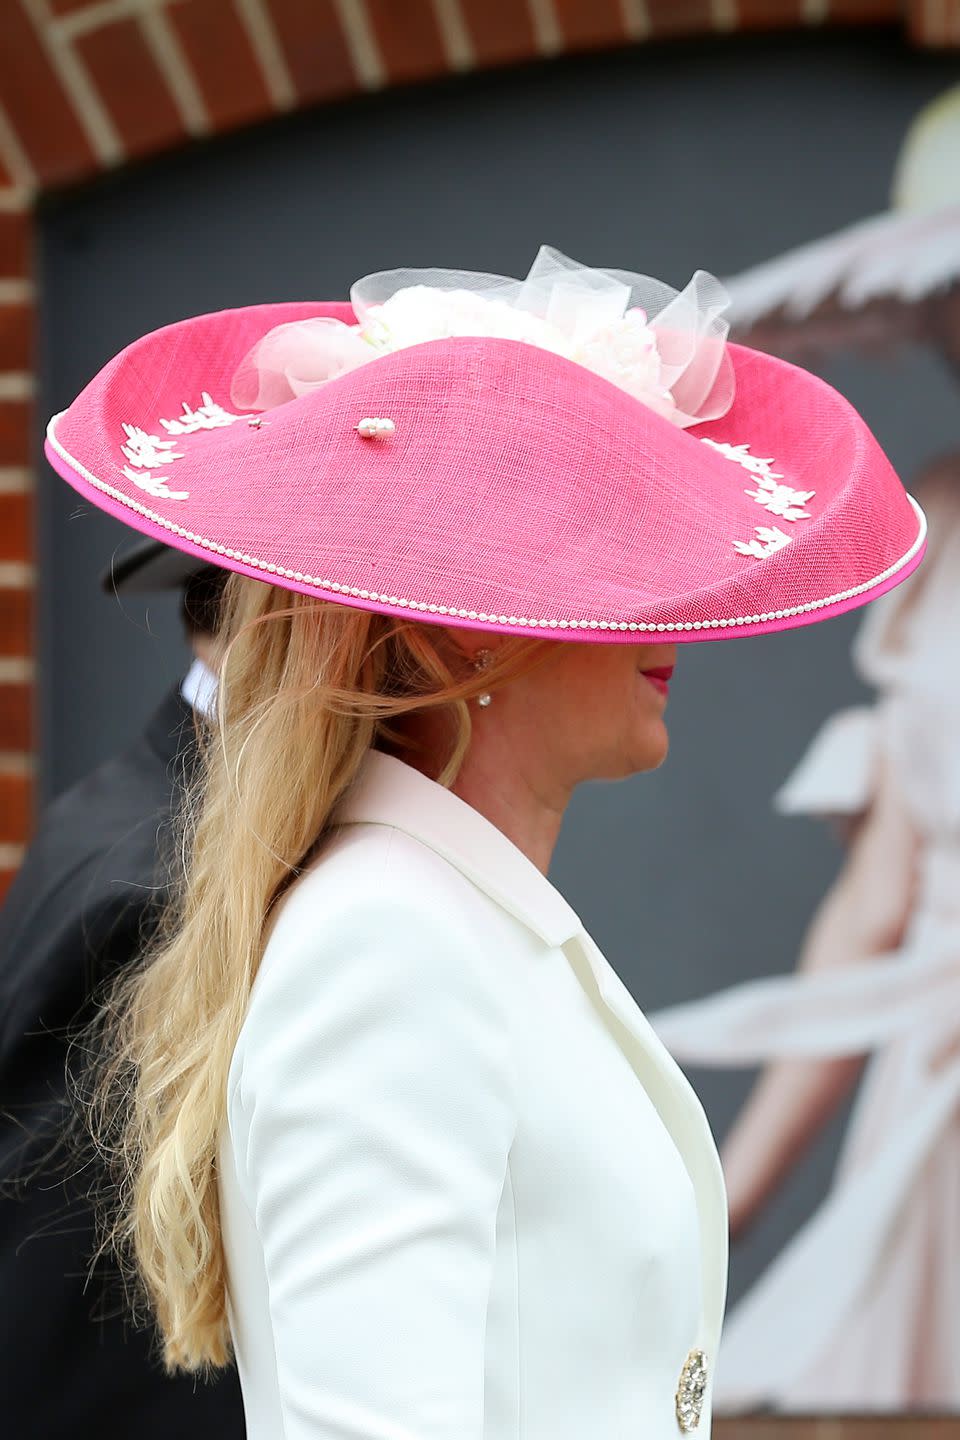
{"x":307,"y":687}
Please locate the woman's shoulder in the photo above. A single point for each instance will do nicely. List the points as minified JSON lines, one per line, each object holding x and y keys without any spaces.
{"x":373,"y":869}
{"x":377,"y":929}
{"x":373,"y":892}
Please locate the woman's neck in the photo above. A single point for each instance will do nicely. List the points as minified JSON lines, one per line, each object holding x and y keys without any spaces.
{"x":515,"y":802}
{"x":514,"y":794}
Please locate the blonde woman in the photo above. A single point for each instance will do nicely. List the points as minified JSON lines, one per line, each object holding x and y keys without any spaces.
{"x":389,"y":1129}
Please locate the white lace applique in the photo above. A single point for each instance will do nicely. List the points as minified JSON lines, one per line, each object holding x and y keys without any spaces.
{"x":148,"y":451}
{"x":740,"y":453}
{"x":155,"y":485}
{"x":207,"y":416}
{"x":770,"y":538}
{"x":780,"y":500}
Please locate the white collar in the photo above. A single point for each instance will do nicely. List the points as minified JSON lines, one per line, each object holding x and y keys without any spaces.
{"x":199,"y":689}
{"x":388,"y":792}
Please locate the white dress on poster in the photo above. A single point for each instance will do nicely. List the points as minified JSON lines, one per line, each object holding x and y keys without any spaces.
{"x":861,"y":1309}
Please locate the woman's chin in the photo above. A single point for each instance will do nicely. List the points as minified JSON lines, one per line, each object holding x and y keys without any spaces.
{"x":658,"y":751}
{"x":652,"y":748}
{"x":646,"y":751}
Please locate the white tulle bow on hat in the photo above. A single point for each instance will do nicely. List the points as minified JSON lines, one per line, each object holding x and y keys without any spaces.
{"x":666,"y":348}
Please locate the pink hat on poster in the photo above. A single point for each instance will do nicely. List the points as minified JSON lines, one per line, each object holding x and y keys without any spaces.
{"x":578,"y":455}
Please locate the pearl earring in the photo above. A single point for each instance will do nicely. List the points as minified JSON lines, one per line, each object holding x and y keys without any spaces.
{"x":481,"y":662}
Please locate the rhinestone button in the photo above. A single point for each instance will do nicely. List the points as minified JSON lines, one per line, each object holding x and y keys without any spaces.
{"x":691,"y":1390}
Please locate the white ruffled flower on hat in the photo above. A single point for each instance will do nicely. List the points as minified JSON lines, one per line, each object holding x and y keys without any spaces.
{"x":625,"y":352}
{"x":422,"y":312}
{"x":666,"y":348}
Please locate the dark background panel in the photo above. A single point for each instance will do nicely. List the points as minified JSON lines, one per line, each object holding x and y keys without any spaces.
{"x":662,"y":159}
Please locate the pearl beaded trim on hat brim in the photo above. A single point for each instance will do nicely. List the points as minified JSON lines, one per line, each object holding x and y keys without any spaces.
{"x":496,"y":621}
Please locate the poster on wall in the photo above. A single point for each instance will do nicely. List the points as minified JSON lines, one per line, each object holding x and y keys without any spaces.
{"x":857,"y":1310}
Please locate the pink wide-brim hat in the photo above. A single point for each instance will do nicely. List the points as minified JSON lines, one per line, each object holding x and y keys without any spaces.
{"x":512,"y":490}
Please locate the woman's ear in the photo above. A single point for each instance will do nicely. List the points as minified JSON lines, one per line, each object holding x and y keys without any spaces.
{"x":469,"y":643}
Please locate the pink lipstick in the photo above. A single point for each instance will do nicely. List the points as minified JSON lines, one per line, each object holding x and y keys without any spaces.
{"x":659,"y":678}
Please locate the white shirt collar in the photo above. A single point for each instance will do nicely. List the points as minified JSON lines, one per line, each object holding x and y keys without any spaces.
{"x":199,"y":689}
{"x":388,"y":792}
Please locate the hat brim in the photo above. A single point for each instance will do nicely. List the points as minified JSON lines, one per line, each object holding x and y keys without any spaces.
{"x":517,"y":492}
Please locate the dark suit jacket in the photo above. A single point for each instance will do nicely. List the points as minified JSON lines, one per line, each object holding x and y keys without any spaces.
{"x":70,"y":1364}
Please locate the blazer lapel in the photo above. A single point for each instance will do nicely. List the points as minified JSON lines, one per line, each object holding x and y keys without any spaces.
{"x":389,"y":792}
{"x":679,"y":1109}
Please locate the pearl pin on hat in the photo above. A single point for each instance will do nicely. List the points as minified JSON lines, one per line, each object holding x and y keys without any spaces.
{"x":371,"y":428}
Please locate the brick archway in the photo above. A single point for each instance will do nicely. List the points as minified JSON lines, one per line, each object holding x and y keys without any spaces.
{"x":88,"y":85}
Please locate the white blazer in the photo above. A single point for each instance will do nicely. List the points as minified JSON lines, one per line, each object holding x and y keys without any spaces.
{"x":466,"y":1193}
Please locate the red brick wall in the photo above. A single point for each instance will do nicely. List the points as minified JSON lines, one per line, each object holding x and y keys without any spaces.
{"x":16,"y":528}
{"x":87,"y":84}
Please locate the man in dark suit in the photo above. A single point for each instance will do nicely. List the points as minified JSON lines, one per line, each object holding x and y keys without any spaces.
{"x":88,"y":893}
